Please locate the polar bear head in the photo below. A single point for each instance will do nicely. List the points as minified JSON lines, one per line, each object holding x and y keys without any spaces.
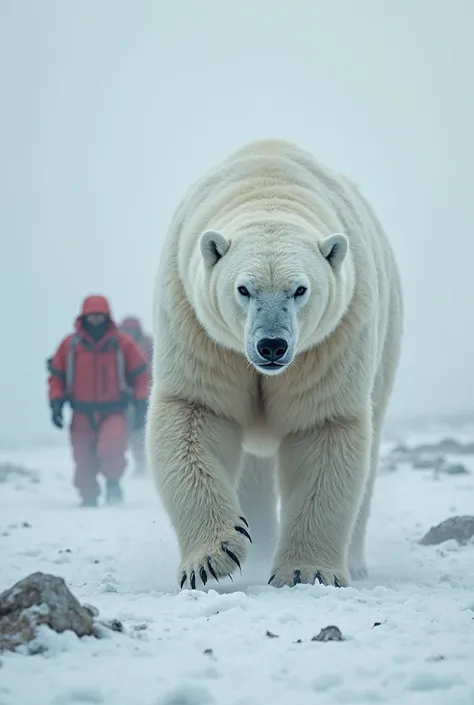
{"x":272,"y":294}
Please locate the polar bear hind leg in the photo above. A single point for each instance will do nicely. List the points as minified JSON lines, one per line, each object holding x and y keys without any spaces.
{"x":382,"y":389}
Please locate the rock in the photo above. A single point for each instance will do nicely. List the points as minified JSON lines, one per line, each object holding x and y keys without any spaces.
{"x":40,"y":599}
{"x":459,"y":528}
{"x":9,"y":471}
{"x":449,"y":445}
{"x":140,"y":627}
{"x":445,"y":446}
{"x":113,"y":624}
{"x":330,"y":633}
{"x":424,"y":463}
{"x":429,"y":455}
{"x":455,"y":469}
{"x":439,"y":465}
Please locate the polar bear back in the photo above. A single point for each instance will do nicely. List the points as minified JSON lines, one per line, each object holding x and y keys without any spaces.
{"x":239,"y":188}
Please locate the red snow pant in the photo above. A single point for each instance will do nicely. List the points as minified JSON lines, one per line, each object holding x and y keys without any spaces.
{"x":102,"y":450}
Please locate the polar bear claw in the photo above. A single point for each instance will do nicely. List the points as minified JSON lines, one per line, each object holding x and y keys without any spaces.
{"x":308,"y":575}
{"x":214,"y":562}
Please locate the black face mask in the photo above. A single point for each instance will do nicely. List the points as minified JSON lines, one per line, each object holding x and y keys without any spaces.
{"x":97,"y":331}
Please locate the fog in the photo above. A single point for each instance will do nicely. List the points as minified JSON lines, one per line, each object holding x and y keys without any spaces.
{"x":110,"y":109}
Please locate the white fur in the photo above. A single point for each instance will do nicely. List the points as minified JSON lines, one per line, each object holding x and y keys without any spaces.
{"x":321,"y":276}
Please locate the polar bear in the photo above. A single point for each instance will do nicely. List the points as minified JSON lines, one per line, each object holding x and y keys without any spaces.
{"x":278,"y":328}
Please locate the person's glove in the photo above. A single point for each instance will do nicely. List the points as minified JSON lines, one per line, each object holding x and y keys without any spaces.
{"x":57,"y":412}
{"x":141,"y":406}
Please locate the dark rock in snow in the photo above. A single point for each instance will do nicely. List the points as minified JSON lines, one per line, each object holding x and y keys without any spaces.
{"x":140,"y":627}
{"x":445,"y":446}
{"x":428,"y":456}
{"x":459,"y":528}
{"x":271,"y":635}
{"x":455,"y":469}
{"x":450,"y":445}
{"x":40,"y":599}
{"x":330,"y":633}
{"x":423,"y":463}
{"x":115,"y":625}
{"x":439,"y":465}
{"x":9,"y":471}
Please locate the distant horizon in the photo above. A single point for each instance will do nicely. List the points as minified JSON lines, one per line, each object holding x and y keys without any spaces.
{"x":394,"y":425}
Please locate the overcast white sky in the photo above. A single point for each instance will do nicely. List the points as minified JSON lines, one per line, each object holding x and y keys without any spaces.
{"x":109,"y":108}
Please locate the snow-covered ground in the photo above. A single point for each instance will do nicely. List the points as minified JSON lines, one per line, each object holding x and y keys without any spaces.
{"x":409,"y":629}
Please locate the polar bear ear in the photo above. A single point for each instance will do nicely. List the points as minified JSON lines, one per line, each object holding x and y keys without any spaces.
{"x":214,"y":245}
{"x":334,"y":249}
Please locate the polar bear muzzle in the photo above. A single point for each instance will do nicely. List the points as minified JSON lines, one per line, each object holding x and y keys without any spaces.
{"x":271,"y":334}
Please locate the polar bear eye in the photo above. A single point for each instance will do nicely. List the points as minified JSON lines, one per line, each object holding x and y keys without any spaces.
{"x":243,"y":291}
{"x":301,"y":291}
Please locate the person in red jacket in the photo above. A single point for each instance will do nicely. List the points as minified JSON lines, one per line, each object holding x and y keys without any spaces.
{"x":132,"y":327}
{"x":98,"y":370}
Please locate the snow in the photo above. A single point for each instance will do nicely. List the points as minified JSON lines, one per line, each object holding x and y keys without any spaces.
{"x":408,"y":629}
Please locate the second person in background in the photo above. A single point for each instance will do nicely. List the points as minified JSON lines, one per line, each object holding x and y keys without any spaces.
{"x":132,"y":326}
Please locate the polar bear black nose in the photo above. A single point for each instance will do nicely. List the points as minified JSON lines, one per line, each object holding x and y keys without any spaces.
{"x":272,"y":349}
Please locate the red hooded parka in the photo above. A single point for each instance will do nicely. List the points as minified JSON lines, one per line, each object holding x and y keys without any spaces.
{"x":132,"y":326}
{"x":98,"y":378}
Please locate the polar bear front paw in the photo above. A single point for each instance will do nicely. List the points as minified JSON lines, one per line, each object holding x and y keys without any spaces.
{"x":289,"y":575}
{"x":218,"y":559}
